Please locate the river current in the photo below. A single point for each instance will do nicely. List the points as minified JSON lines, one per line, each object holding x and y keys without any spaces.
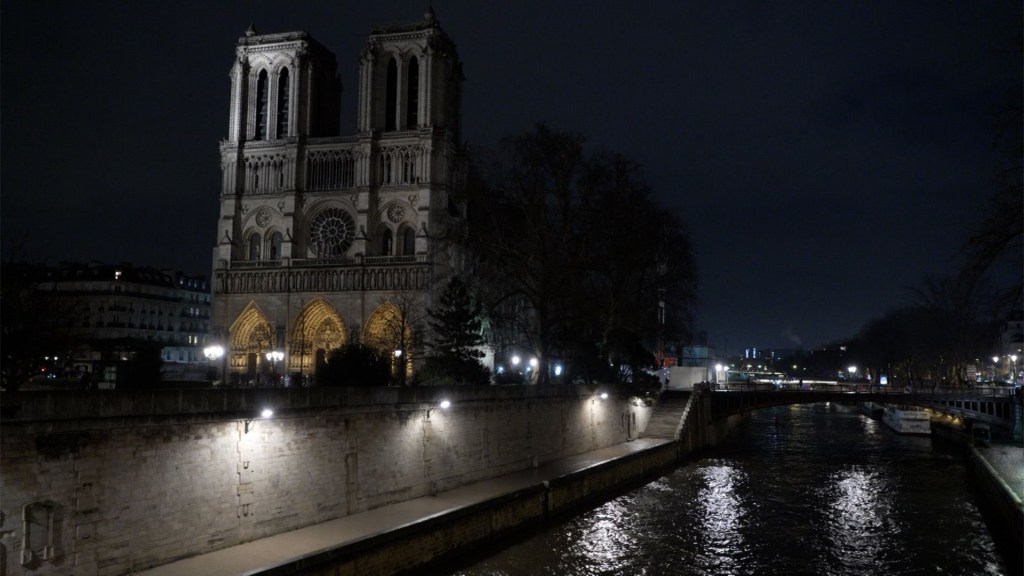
{"x":812,"y":489}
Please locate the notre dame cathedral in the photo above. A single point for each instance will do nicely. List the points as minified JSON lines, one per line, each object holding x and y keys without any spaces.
{"x":325,"y":239}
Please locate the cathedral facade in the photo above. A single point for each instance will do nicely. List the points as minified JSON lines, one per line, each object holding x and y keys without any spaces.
{"x":326,"y":239}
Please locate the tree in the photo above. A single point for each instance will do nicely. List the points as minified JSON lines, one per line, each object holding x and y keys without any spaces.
{"x":355,"y":365}
{"x":999,"y":237}
{"x":396,"y":330}
{"x":573,"y":248}
{"x":37,"y":322}
{"x":456,"y":325}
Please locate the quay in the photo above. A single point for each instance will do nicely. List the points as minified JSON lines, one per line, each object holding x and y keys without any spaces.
{"x":379,"y":541}
{"x":404,"y":537}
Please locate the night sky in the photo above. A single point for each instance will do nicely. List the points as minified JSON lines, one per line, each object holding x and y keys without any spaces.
{"x":826,"y":156}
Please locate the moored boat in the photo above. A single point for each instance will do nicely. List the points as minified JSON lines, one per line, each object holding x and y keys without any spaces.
{"x":907,"y":420}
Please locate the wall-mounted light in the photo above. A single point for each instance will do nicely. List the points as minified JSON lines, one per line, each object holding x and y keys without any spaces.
{"x":265,"y":414}
{"x":444,"y":404}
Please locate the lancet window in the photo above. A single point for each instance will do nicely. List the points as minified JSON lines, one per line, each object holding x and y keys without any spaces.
{"x":330,"y":169}
{"x":391,"y":97}
{"x":412,"y":101}
{"x":283,"y":92}
{"x":261,"y":106}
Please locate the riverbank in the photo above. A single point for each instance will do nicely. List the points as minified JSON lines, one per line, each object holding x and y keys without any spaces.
{"x":402,"y":536}
{"x":998,"y":474}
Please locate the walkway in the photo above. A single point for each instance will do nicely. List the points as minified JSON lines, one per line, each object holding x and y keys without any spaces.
{"x":1008,"y":462}
{"x":252,"y":557}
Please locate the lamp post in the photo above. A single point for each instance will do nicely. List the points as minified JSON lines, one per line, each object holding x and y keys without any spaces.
{"x":1013,"y":376}
{"x":213,"y":353}
{"x":995,"y":369}
{"x":274,"y":356}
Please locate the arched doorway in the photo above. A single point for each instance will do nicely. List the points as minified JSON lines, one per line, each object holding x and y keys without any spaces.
{"x":318,"y":329}
{"x":252,"y":335}
{"x":390,"y":331}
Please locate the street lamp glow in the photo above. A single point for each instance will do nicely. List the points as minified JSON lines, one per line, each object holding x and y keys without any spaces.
{"x":275,"y":356}
{"x":534,"y":362}
{"x":558,"y":369}
{"x":718,"y":367}
{"x":852,"y":370}
{"x":445,"y":404}
{"x":604,"y":395}
{"x":266,"y":413}
{"x":213,"y":352}
{"x":515,"y":360}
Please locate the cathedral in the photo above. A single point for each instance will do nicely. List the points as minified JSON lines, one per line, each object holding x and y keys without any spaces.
{"x":326,"y":239}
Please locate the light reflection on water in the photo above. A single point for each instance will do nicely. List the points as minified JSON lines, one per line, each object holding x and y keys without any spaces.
{"x":721,"y":513}
{"x":795,"y":490}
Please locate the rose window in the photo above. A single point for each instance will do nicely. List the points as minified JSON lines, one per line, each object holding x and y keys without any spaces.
{"x":396,"y":213}
{"x":332,"y":232}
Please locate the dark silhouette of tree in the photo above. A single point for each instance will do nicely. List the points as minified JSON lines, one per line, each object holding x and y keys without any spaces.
{"x":456,"y":325}
{"x":36,"y":322}
{"x":999,"y":237}
{"x":355,"y":365}
{"x":574,"y":248}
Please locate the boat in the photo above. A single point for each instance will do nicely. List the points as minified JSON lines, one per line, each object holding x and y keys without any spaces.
{"x":907,"y":420}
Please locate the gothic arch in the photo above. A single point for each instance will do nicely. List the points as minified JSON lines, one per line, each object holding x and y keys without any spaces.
{"x":389,"y":332}
{"x":251,"y":335}
{"x":384,"y":330}
{"x":318,"y":327}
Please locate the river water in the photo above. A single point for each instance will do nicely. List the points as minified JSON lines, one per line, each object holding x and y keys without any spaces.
{"x":813,"y":489}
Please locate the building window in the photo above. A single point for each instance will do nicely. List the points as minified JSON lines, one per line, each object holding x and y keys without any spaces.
{"x":408,"y":241}
{"x":413,"y":101}
{"x":261,"y":106}
{"x":283,"y":92}
{"x":332,"y":232}
{"x":275,"y":246}
{"x":254,"y":247}
{"x":391,"y":96}
{"x":385,"y":243}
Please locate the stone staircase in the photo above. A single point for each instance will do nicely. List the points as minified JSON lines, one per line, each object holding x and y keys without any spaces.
{"x":669,"y":414}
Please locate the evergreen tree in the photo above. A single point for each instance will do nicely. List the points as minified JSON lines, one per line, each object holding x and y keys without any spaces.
{"x":456,"y":325}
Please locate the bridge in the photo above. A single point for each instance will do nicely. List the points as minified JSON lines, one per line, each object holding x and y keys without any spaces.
{"x":675,"y":411}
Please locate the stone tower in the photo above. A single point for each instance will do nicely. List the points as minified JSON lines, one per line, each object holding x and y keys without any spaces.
{"x":326,"y":239}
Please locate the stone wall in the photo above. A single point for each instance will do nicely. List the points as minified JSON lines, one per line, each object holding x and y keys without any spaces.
{"x":113,"y":482}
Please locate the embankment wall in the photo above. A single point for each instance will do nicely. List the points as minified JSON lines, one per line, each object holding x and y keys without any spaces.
{"x":108,"y":483}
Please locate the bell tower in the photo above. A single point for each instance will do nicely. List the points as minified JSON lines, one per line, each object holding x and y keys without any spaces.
{"x":410,"y":79}
{"x":284,"y":89}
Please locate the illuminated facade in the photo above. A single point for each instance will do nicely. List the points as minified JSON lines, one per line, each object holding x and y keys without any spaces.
{"x":324,"y":239}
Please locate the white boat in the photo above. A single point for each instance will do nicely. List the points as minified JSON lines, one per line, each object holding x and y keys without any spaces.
{"x":907,"y":420}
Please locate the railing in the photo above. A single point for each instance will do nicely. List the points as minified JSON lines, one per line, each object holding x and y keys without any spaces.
{"x":864,"y":388}
{"x":257,"y":263}
{"x":330,"y":261}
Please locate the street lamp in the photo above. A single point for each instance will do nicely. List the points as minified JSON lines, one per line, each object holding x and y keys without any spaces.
{"x":1013,"y":377}
{"x":274,"y":356}
{"x":213,"y":353}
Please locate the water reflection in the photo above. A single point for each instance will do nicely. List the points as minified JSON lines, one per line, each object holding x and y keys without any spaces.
{"x":607,"y":539}
{"x":858,"y":518}
{"x":807,"y":490}
{"x":721,"y":511}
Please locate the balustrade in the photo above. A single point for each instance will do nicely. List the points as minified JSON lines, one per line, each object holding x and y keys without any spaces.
{"x":365,"y":273}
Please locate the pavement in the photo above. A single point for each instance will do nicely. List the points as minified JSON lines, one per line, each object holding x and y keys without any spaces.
{"x":1008,"y":462}
{"x":273,"y":550}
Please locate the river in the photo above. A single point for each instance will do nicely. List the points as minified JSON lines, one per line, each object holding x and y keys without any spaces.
{"x":808,"y":489}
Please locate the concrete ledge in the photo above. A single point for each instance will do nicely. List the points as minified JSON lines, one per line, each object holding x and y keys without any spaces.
{"x":408,"y":536}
